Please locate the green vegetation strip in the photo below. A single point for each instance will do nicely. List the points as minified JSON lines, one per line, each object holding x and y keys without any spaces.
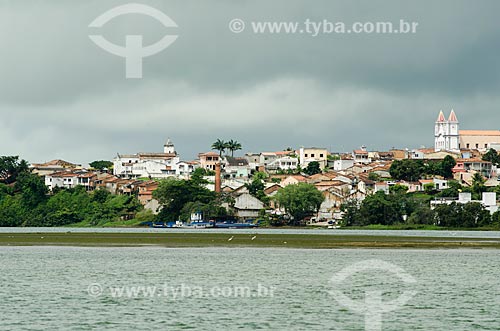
{"x":207,"y":239}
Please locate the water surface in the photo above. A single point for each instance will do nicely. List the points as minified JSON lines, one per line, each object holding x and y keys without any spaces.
{"x":46,"y":288}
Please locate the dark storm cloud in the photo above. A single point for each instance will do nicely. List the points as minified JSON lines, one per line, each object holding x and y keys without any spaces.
{"x":62,"y":96}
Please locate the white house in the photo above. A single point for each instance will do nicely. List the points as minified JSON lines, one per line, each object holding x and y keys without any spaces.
{"x":283,"y":163}
{"x":236,"y":167}
{"x":342,"y":164}
{"x":311,"y":154}
{"x":152,"y":165}
{"x":71,"y":179}
{"x":489,"y":201}
{"x":361,"y":155}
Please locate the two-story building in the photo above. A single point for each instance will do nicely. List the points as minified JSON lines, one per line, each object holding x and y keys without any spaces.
{"x":148,"y":165}
{"x":311,"y":154}
{"x":209,"y":160}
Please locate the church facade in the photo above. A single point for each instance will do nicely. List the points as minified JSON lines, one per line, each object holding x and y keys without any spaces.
{"x":446,"y":133}
{"x":152,"y":165}
{"x":449,"y":137}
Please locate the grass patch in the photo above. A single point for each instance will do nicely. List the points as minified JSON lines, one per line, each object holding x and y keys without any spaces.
{"x":213,"y":239}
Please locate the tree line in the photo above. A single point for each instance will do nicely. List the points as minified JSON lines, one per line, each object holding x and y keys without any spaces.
{"x":25,"y":201}
{"x":413,"y":209}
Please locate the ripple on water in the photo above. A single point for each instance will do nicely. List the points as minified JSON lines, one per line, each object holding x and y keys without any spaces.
{"x":47,"y":287}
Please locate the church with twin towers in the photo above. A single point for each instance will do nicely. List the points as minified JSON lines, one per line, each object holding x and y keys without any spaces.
{"x":449,"y":137}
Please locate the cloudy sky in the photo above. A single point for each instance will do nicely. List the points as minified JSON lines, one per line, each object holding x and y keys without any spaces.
{"x":61,"y":96}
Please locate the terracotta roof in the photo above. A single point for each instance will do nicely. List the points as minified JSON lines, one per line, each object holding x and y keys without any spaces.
{"x":300,"y":178}
{"x":284,"y":152}
{"x":359,"y":151}
{"x":475,"y":160}
{"x":60,"y":163}
{"x":330,"y":183}
{"x":441,"y":117}
{"x":453,"y":117}
{"x":426,"y":150}
{"x":156,"y":155}
{"x":209,"y":154}
{"x":480,"y":132}
{"x":63,"y":174}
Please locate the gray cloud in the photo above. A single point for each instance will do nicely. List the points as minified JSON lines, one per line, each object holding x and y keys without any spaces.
{"x":62,"y":96}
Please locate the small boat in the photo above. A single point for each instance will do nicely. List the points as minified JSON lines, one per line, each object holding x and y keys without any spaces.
{"x":235,"y":225}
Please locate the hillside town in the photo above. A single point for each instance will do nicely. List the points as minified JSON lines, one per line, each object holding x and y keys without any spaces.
{"x":340,"y":177}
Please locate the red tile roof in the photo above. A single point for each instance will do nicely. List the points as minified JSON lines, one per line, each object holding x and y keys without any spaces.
{"x":480,"y":132}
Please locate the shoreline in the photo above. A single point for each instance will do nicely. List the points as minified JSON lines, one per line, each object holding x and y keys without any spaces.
{"x":206,"y":239}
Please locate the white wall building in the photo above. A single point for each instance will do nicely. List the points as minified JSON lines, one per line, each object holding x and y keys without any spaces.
{"x":311,"y":154}
{"x":283,"y":163}
{"x":342,"y":164}
{"x":489,"y":201}
{"x":446,"y":133}
{"x":151,"y":165}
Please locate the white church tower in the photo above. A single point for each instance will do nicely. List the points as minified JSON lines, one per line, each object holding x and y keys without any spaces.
{"x":446,"y":133}
{"x":169,"y":148}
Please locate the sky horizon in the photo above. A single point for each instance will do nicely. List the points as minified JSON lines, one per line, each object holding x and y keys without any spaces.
{"x":65,"y":97}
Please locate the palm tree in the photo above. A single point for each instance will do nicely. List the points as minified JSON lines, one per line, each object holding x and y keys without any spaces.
{"x":233,"y":145}
{"x":219,"y":145}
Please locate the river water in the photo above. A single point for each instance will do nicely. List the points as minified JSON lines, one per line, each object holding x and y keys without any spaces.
{"x":148,"y":288}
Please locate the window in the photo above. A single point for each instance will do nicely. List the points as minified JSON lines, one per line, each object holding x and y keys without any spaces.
{"x":485,"y":145}
{"x":468,"y":145}
{"x":477,"y":145}
{"x":312,"y":155}
{"x":305,"y":155}
{"x":321,"y":155}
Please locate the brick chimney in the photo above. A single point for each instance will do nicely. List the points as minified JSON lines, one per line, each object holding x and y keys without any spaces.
{"x":217,"y":177}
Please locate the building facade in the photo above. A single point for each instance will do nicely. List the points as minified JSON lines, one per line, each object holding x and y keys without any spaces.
{"x":446,"y":133}
{"x":148,"y":165}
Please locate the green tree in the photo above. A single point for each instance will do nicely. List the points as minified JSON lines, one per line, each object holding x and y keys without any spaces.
{"x":452,"y":191}
{"x":12,"y":212}
{"x":380,"y":208}
{"x":312,"y":168}
{"x":101,"y":165}
{"x":11,"y":167}
{"x":422,"y":215}
{"x":174,"y":194}
{"x":352,"y":216}
{"x":409,"y":170}
{"x":220,"y":146}
{"x":492,"y":156}
{"x":232,"y":146}
{"x":374,"y":176}
{"x":398,"y":189}
{"x":197,"y":176}
{"x":256,"y":187}
{"x":456,"y":215}
{"x":32,"y":188}
{"x":429,"y":188}
{"x":478,"y":186}
{"x":299,"y":200}
{"x":447,"y":166}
